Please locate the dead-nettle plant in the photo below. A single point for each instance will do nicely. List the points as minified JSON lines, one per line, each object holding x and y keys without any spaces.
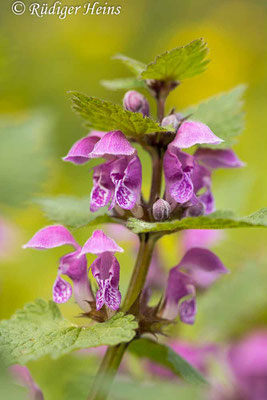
{"x":184,"y":201}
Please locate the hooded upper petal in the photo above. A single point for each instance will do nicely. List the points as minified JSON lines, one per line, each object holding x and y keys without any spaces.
{"x":218,"y":158}
{"x":191,"y":133}
{"x":113,"y":143}
{"x":203,"y":266}
{"x":99,"y":243}
{"x":81,"y":150}
{"x":51,"y":236}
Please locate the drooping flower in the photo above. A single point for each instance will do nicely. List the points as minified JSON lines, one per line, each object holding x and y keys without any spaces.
{"x":198,"y":268}
{"x":105,"y":269}
{"x":73,"y":264}
{"x":136,"y":102}
{"x":187,"y":176}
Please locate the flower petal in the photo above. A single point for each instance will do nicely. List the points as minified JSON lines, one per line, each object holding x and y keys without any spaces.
{"x":103,"y":187}
{"x":62,"y":290}
{"x":51,"y":236}
{"x":99,"y":243}
{"x":217,"y":158}
{"x":178,"y":286}
{"x":128,"y":188}
{"x":80,"y":151}
{"x":202,"y":265}
{"x":201,"y":238}
{"x":187,"y":311}
{"x":113,"y":143}
{"x":106,"y":271}
{"x":191,"y":133}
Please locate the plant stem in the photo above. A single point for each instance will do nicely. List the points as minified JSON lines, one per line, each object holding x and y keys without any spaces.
{"x":157,"y":163}
{"x":113,"y":356}
{"x":112,"y":359}
{"x":107,"y":371}
{"x":161,"y":99}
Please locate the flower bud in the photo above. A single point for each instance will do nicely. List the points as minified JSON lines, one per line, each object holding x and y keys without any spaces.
{"x":161,"y":210}
{"x":172,"y":120}
{"x":136,"y":102}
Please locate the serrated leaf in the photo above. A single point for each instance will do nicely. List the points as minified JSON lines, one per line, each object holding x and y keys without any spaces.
{"x":180,"y":63}
{"x":39,"y":329}
{"x":123,"y":84}
{"x":134,"y":66}
{"x":166,"y":357}
{"x":107,"y":116}
{"x":216,"y":220}
{"x":223,"y":114}
{"x":72,"y":211}
{"x":23,"y":154}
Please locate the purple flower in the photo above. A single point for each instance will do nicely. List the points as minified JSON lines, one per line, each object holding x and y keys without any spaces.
{"x":136,"y":102}
{"x":198,"y":268}
{"x":73,"y":264}
{"x":186,"y":175}
{"x":105,"y":269}
{"x":161,"y":210}
{"x":117,"y":182}
{"x":248,"y":362}
{"x":23,"y":376}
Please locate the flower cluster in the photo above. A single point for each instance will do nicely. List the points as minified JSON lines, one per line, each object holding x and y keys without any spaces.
{"x":117,"y":183}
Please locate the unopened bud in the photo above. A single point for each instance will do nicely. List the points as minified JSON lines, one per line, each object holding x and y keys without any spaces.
{"x":161,"y":210}
{"x":136,"y":102}
{"x":172,"y":120}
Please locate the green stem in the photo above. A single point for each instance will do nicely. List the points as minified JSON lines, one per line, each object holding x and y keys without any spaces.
{"x":113,"y":356}
{"x":107,"y":372}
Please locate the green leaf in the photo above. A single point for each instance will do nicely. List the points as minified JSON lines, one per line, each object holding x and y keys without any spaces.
{"x":180,"y":63}
{"x":23,"y":154}
{"x":106,"y":116}
{"x":72,"y":211}
{"x":39,"y":329}
{"x":123,"y":84}
{"x":134,"y":66}
{"x":223,"y":114}
{"x":216,"y":220}
{"x":167,"y":358}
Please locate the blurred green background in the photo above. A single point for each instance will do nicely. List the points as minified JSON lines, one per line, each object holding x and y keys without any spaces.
{"x":42,"y":58}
